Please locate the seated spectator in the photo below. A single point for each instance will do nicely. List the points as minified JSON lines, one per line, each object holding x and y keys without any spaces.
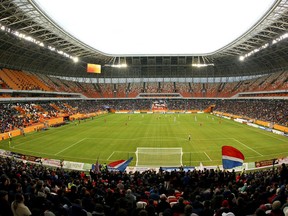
{"x":163,"y":204}
{"x":18,"y":207}
{"x":179,"y":206}
{"x":150,"y":208}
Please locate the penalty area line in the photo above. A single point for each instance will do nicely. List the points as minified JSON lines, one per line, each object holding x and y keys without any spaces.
{"x":248,"y":147}
{"x":110,"y":155}
{"x":70,"y":146}
{"x":207,"y":156}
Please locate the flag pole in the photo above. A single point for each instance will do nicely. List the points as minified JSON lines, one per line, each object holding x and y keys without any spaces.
{"x":96,"y":168}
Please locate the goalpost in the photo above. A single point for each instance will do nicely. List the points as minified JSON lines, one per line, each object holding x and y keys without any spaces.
{"x":158,"y":157}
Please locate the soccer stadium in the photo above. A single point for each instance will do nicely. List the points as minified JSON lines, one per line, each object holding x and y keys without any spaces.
{"x":147,"y":108}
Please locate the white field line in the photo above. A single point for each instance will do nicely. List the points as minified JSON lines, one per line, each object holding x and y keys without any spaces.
{"x":188,"y":161}
{"x":248,"y":147}
{"x":70,"y":146}
{"x":116,"y":152}
{"x":40,"y":137}
{"x":110,"y":155}
{"x":275,"y":154}
{"x":207,"y":156}
{"x":164,"y":138}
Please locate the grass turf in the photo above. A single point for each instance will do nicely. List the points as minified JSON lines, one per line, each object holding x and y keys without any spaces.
{"x":116,"y":136}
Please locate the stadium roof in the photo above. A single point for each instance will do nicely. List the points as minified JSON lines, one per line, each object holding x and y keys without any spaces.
{"x":161,"y":27}
{"x":31,"y":40}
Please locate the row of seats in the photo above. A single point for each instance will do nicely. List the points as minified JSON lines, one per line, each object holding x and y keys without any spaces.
{"x":20,"y":80}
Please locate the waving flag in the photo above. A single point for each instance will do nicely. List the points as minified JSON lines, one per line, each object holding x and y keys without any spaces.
{"x":231,"y":157}
{"x":119,"y":165}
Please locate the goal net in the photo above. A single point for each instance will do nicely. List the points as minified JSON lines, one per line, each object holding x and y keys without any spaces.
{"x":158,"y":157}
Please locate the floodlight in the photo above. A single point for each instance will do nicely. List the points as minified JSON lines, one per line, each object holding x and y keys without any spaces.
{"x":118,"y":65}
{"x":202,"y":65}
{"x":75,"y":59}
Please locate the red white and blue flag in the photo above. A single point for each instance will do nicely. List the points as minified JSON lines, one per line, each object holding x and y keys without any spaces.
{"x":119,"y":165}
{"x":231,"y":157}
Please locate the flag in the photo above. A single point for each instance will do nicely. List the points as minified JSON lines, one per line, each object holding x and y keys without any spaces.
{"x":119,"y":165}
{"x":231,"y":157}
{"x":93,"y":68}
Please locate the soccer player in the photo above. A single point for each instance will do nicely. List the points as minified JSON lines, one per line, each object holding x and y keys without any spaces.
{"x":189,"y":137}
{"x":10,"y":138}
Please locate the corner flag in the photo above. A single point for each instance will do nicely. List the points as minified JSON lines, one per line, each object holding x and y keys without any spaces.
{"x":231,"y":157}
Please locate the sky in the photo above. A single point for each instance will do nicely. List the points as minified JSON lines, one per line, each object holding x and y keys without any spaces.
{"x":156,"y":27}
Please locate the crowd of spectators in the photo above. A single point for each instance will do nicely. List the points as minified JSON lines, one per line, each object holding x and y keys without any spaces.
{"x":31,"y":189}
{"x":274,"y":111}
{"x":17,"y":115}
{"x":9,"y":119}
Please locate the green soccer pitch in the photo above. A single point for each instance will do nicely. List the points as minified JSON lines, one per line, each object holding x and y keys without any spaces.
{"x":113,"y":137}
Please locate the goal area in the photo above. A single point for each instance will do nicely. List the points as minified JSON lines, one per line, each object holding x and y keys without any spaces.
{"x":158,"y":157}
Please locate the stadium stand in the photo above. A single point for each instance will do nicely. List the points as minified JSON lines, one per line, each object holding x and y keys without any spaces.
{"x":40,"y":84}
{"x":206,"y":192}
{"x":264,"y":84}
{"x":19,"y":114}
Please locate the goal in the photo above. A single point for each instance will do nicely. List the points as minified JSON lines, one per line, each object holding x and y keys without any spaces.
{"x":158,"y":157}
